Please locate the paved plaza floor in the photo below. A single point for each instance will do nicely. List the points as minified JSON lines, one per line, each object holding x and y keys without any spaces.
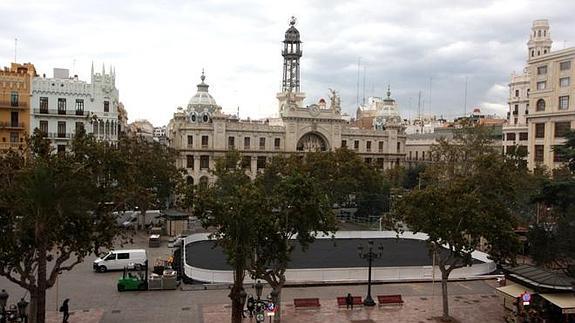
{"x":417,"y":309}
{"x":94,"y":299}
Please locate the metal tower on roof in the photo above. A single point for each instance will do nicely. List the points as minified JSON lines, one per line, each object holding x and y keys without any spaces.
{"x":291,"y":54}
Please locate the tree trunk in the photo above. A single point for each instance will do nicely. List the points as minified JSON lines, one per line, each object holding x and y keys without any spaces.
{"x":235,"y":295}
{"x":41,"y":290}
{"x":33,"y":307}
{"x":276,"y":299}
{"x":143,"y":212}
{"x":444,"y":278}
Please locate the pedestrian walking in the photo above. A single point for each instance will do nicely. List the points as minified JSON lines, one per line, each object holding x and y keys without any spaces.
{"x":349,"y":301}
{"x":251,"y":305}
{"x":65,"y":309}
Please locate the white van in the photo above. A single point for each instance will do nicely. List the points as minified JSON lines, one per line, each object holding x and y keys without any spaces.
{"x":118,"y":259}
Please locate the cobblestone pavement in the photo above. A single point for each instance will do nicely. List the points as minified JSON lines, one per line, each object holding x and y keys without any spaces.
{"x":468,"y":308}
{"x":94,"y":298}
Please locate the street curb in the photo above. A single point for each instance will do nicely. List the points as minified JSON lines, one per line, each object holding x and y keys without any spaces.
{"x":200,"y":287}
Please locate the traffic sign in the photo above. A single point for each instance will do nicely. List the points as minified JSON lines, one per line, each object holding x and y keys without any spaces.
{"x":526,"y":298}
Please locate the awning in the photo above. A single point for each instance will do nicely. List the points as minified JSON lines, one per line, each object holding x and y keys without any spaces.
{"x":566,"y":302}
{"x":514,"y":290}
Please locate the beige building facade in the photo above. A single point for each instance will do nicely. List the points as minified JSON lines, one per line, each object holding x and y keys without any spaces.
{"x":201,"y":132}
{"x":541,"y":108}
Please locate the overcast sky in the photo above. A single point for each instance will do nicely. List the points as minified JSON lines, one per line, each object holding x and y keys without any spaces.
{"x":159,"y":48}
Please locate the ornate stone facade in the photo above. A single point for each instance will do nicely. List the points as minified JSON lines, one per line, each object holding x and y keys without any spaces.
{"x":201,"y":132}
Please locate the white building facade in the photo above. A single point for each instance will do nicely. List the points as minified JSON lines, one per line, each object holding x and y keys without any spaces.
{"x":201,"y":133}
{"x":62,"y":104}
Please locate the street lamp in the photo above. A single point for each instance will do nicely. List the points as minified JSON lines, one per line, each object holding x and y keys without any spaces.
{"x":370,"y":255}
{"x":3,"y":300}
{"x":22,"y":305}
{"x":259,"y":288}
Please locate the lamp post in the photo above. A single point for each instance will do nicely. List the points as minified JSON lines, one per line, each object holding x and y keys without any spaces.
{"x":3,"y":300}
{"x":370,"y":255}
{"x":259,"y":306}
{"x":22,"y":305}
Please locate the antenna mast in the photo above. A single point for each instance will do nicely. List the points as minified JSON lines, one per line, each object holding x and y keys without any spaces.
{"x":419,"y":106}
{"x":357,"y":85}
{"x":465,"y":99}
{"x":15,"y":48}
{"x":363,"y":85}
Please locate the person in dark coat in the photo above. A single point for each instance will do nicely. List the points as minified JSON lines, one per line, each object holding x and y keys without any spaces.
{"x":251,"y":305}
{"x":349,"y":301}
{"x":65,"y":309}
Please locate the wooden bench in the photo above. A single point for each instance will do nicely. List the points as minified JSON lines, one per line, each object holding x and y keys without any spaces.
{"x":356,"y":301}
{"x":306,"y":303}
{"x":389,"y":300}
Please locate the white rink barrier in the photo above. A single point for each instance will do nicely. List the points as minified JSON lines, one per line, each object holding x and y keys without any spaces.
{"x":353,"y":274}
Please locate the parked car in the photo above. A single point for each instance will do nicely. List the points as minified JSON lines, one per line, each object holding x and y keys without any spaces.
{"x":153,"y":218}
{"x":118,"y":259}
{"x":176,"y":240}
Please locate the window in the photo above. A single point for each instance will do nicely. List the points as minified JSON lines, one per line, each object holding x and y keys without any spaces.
{"x":541,"y":85}
{"x":356,"y":144}
{"x":516,"y":93}
{"x":261,"y":162}
{"x":514,"y":120}
{"x":380,"y":146}
{"x":540,"y":105}
{"x":43,"y":104}
{"x":79,"y":126}
{"x":398,"y":146}
{"x":190,"y":161}
{"x":516,"y":109}
{"x":542,"y":70}
{"x":368,"y":145}
{"x":79,"y":107}
{"x":368,"y":160}
{"x":557,"y":156}
{"x":510,"y":136}
{"x":13,"y":137}
{"x":262,"y":143}
{"x":564,"y":102}
{"x":423,"y":155}
{"x":246,"y":162}
{"x":62,"y":149}
{"x":14,"y":99}
{"x":539,"y":153}
{"x":44,"y":126}
{"x":565,"y":65}
{"x":61,"y":106}
{"x":124,"y":255}
{"x":247,"y":142}
{"x":106,"y":106}
{"x":231,"y":142}
{"x":61,"y":129}
{"x":417,"y":155}
{"x":204,"y":141}
{"x":562,"y":128}
{"x":539,"y":130}
{"x":528,"y":90}
{"x":14,"y":118}
{"x":204,"y":162}
{"x":523,"y":136}
{"x":344,"y":144}
{"x":410,"y":155}
{"x":564,"y":81}
{"x":190,"y":141}
{"x":277,"y":143}
{"x":379,"y":163}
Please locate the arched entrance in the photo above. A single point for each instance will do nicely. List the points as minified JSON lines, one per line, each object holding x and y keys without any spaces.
{"x":312,"y":141}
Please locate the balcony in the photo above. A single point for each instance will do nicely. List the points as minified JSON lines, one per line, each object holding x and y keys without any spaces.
{"x":11,"y":125}
{"x":59,"y":135}
{"x":13,"y":105}
{"x":11,"y":145}
{"x":56,"y":112}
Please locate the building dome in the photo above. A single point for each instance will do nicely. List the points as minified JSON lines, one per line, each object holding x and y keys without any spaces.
{"x":202,"y":99}
{"x":292,"y":34}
